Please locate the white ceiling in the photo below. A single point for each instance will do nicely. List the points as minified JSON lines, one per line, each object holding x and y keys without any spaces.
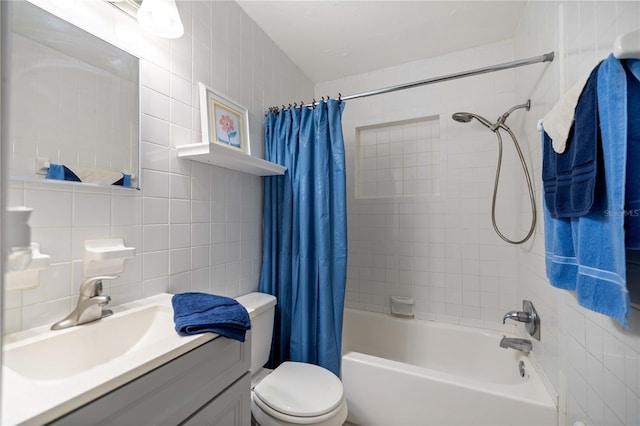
{"x":334,"y":39}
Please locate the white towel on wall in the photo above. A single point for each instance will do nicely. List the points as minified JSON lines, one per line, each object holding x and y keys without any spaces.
{"x":558,"y":121}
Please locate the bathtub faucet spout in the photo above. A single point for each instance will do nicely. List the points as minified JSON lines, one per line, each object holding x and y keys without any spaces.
{"x":522,"y":345}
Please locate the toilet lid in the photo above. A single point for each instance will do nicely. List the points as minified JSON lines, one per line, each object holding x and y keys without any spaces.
{"x":299,"y":389}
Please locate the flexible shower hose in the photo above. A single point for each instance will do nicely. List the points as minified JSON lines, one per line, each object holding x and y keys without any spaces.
{"x":497,"y":179}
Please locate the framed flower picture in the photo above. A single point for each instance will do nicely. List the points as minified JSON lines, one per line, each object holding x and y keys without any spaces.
{"x":224,"y":122}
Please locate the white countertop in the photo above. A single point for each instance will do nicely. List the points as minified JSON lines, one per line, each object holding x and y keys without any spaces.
{"x":40,"y":393}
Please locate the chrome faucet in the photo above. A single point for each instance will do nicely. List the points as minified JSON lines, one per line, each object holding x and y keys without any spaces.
{"x":527,"y":315}
{"x":522,"y":345}
{"x":517,"y":316}
{"x":90,"y":305}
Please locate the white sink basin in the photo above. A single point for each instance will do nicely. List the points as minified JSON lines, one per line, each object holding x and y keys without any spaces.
{"x":78,"y":349}
{"x":49,"y":373}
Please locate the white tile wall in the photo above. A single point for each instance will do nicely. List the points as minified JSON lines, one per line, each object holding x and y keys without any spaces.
{"x":443,"y":252}
{"x":195,"y":227}
{"x":399,"y":159}
{"x":439,"y":248}
{"x":591,"y":361}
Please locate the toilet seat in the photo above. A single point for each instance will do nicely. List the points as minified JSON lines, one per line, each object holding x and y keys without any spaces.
{"x":300,"y":393}
{"x":269,"y":416}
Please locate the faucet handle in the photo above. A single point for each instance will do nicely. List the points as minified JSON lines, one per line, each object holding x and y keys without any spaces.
{"x":528,"y":315}
{"x":519,"y":316}
{"x":92,"y":287}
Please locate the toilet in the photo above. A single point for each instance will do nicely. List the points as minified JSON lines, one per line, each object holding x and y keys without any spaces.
{"x":295,"y":393}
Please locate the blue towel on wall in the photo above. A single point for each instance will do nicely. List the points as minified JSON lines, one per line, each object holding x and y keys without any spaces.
{"x":561,"y":262}
{"x":632,"y":190}
{"x":587,"y":253}
{"x":570,"y":178}
{"x":195,"y":313}
{"x":601,"y":283}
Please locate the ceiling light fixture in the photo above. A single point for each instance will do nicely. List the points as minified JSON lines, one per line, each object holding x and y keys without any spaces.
{"x":161,"y":17}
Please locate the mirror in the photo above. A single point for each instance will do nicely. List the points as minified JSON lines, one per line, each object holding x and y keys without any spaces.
{"x":73,"y":102}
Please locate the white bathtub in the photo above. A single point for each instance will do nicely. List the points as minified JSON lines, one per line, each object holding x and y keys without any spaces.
{"x":411,"y":372}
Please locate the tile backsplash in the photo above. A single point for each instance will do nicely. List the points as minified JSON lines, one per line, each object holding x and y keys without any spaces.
{"x":195,"y":227}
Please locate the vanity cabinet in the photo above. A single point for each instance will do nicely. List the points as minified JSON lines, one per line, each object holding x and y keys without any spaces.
{"x":209,"y":385}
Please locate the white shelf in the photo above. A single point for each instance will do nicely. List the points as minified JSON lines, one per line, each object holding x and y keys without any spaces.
{"x":218,"y":155}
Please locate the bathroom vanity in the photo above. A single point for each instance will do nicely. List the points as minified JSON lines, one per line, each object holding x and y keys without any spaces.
{"x":208,"y":385}
{"x":130,"y":368}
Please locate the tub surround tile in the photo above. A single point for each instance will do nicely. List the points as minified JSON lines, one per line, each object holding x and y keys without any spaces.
{"x":461,"y":242}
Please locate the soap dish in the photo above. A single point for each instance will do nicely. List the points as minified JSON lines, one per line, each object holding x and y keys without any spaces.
{"x":402,"y":306}
{"x":105,"y":256}
{"x":30,"y":276}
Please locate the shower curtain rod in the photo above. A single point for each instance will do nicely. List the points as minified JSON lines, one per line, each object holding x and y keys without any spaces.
{"x":547,"y":57}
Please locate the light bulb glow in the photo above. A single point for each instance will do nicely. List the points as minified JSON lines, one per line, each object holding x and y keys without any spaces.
{"x":161,"y":17}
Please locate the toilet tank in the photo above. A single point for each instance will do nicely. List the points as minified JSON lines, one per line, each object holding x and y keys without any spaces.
{"x":261,"y":308}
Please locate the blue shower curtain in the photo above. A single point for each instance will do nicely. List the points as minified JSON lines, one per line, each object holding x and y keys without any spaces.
{"x":304,"y":259}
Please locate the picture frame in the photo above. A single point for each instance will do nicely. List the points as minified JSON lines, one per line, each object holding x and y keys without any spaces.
{"x":224,"y":121}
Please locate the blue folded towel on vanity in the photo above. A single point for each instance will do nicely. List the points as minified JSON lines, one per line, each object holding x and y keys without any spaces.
{"x":195,"y":313}
{"x":570,"y":178}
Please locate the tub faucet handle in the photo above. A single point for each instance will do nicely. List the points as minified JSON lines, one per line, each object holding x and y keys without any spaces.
{"x":519,"y":316}
{"x":527,"y":315}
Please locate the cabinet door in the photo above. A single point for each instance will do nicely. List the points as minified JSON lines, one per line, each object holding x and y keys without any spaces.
{"x":171,"y":393}
{"x":231,"y":408}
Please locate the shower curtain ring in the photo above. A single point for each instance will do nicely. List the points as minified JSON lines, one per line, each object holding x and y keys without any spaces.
{"x":339,"y":97}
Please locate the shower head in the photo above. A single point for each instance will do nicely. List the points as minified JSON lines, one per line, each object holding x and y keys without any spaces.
{"x":466,"y":117}
{"x":462,"y":117}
